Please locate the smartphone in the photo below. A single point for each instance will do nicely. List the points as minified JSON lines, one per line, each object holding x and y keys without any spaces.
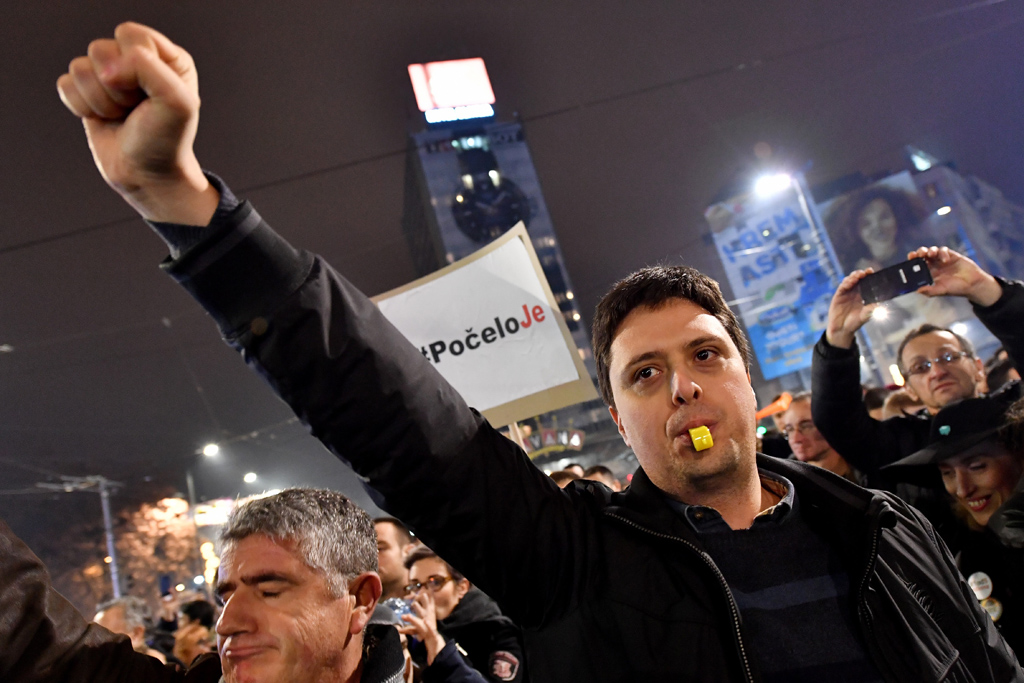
{"x":895,"y":281}
{"x":165,"y":585}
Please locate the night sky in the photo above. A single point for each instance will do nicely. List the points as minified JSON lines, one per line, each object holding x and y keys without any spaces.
{"x":637,"y":115}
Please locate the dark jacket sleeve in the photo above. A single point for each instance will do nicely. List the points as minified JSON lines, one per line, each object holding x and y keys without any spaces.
{"x":506,"y":662}
{"x":1001,"y":660}
{"x":839,"y":413}
{"x":1005,"y":319}
{"x":450,"y":667}
{"x":373,"y":399}
{"x":44,"y":638}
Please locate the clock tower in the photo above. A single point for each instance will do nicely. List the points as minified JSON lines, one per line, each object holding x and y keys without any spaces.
{"x":468,"y":179}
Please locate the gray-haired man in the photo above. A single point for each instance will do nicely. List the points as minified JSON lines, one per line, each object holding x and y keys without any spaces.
{"x":128,"y":615}
{"x":299,"y":583}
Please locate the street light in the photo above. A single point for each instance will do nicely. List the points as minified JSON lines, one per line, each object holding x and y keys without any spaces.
{"x":210,"y":450}
{"x":249,"y":478}
{"x":772,"y":183}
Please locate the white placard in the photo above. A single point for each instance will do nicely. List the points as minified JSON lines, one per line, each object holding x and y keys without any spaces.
{"x":490,"y":326}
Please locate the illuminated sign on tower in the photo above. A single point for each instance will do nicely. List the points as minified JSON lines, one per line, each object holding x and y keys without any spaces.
{"x":457,"y":90}
{"x":470,"y":178}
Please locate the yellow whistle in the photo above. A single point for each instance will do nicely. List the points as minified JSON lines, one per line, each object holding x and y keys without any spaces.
{"x":701,"y":437}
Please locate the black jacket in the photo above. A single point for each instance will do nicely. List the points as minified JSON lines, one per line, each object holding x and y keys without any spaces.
{"x":868,"y":444}
{"x":981,"y":552}
{"x":492,"y":643}
{"x":608,"y":586}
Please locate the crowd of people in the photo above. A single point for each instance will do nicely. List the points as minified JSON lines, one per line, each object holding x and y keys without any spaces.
{"x":715,"y":563}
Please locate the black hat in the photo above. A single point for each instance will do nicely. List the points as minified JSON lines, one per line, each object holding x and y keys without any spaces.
{"x":955,"y":430}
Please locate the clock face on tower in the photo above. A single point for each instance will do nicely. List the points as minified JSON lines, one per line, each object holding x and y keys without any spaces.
{"x":486,"y":204}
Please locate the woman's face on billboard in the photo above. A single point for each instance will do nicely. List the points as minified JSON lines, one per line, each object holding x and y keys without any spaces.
{"x":877,"y":227}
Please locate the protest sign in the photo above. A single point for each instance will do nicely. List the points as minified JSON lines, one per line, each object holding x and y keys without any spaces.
{"x":490,"y":325}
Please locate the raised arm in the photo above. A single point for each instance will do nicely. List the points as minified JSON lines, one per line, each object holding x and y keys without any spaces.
{"x":838,"y":409}
{"x":999,"y":304}
{"x":371,"y":397}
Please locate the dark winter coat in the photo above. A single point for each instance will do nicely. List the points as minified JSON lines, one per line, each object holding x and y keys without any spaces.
{"x":608,"y":586}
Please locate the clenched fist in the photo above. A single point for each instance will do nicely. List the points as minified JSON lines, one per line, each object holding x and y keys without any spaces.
{"x":138,"y":97}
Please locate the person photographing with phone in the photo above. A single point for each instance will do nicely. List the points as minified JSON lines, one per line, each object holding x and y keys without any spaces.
{"x":940,"y":366}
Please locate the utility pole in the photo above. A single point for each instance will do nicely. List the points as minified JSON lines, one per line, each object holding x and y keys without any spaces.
{"x":103,"y":486}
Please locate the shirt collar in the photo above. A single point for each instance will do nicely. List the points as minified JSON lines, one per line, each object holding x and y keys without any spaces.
{"x":703,"y":519}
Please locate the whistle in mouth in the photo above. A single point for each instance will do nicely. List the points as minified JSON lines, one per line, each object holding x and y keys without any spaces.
{"x":701,"y":437}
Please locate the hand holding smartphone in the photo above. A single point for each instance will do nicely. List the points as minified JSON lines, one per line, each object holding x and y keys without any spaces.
{"x":894,"y":281}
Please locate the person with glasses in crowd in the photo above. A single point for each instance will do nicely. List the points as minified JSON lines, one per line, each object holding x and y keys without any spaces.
{"x":807,"y":443}
{"x":940,"y":367}
{"x":450,"y":618}
{"x":977,"y":448}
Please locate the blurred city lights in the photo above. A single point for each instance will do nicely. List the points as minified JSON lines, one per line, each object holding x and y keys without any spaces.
{"x":943,"y":210}
{"x":472,"y":111}
{"x":959,"y":328}
{"x":108,"y":559}
{"x":249,"y":477}
{"x":921,"y":160}
{"x":767,"y":185}
{"x":180,"y":587}
{"x":199,"y":580}
{"x":211,"y":449}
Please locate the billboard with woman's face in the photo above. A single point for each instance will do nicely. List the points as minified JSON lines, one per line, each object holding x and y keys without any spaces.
{"x":875,"y":227}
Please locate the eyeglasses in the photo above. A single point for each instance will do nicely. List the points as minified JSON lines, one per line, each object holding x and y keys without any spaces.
{"x":923,"y":366}
{"x":805,"y":428}
{"x":434,"y":583}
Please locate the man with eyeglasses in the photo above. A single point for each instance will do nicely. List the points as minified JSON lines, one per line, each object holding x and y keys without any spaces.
{"x":807,"y":443}
{"x":450,"y":616}
{"x":939,"y":365}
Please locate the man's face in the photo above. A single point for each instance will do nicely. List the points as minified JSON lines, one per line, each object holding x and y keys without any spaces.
{"x":280,"y":620}
{"x":673,"y":368}
{"x":981,"y":480}
{"x":943,"y":383}
{"x":804,"y":438}
{"x":391,"y":555}
{"x":447,"y":596}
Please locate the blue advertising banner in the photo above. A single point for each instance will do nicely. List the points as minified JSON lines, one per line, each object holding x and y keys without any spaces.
{"x":779,"y":281}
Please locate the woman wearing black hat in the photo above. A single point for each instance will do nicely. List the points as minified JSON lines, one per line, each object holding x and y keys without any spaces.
{"x":978,"y":449}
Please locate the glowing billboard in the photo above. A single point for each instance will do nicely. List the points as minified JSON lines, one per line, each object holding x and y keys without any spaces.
{"x":452,"y":91}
